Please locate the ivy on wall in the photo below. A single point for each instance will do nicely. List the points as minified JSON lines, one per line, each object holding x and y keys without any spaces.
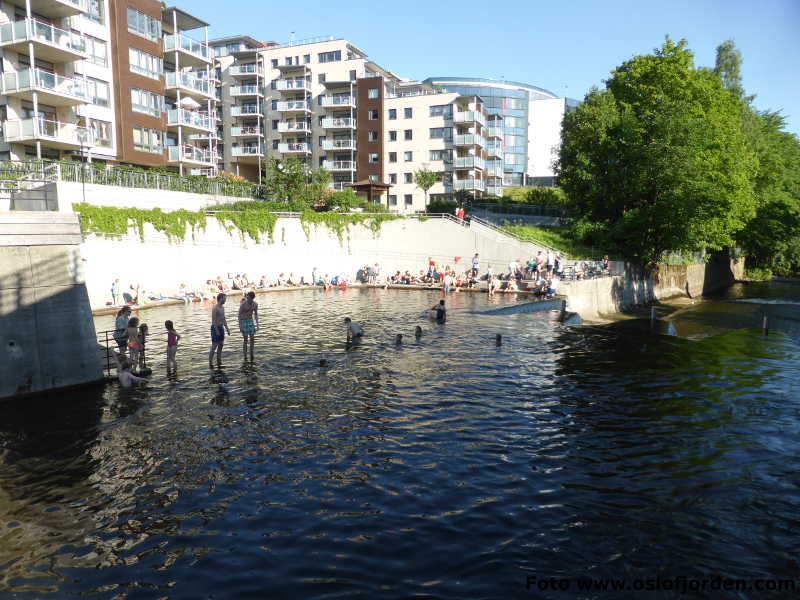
{"x":110,"y":221}
{"x":339,"y":223}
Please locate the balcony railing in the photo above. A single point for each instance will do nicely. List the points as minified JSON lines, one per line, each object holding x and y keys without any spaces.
{"x":339,"y":165}
{"x":338,"y":144}
{"x":249,"y":131}
{"x":469,"y":162}
{"x":494,"y":190}
{"x":338,"y":101}
{"x":246,"y":90}
{"x":44,"y":81}
{"x":189,"y":118}
{"x":494,"y":149}
{"x":294,"y":127}
{"x":469,"y":116}
{"x":342,"y":123}
{"x":245,"y":110}
{"x":469,"y":184}
{"x":46,"y":129}
{"x":186,"y":80}
{"x":469,"y":140}
{"x":47,"y":33}
{"x":339,"y":185}
{"x":495,"y":132}
{"x":188,"y":45}
{"x":494,"y":171}
{"x":248,"y":69}
{"x":293,"y":106}
{"x":247,"y":150}
{"x":300,"y":147}
{"x":292,"y":84}
{"x":189,"y":154}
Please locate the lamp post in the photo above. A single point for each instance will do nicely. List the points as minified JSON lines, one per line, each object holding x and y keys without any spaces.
{"x":83,"y":137}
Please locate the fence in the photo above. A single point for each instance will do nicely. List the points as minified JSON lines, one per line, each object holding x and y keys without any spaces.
{"x":75,"y":172}
{"x":534,"y":210}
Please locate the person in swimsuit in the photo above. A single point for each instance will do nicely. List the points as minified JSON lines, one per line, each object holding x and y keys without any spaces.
{"x":172,"y":344}
{"x":219,"y":326}
{"x":132,"y":334}
{"x":439,"y":312}
{"x":248,"y":321}
{"x":120,"y":328}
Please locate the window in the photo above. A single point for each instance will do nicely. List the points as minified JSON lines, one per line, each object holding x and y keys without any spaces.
{"x":408,"y":156}
{"x":333,"y":56}
{"x":392,"y":156}
{"x":442,"y":133}
{"x":145,"y":64}
{"x":442,"y":110}
{"x":97,"y":51}
{"x":97,"y":91}
{"x":288,"y":61}
{"x":94,"y":11}
{"x":274,"y":124}
{"x":274,"y":63}
{"x":372,"y":136}
{"x":408,"y":178}
{"x":408,"y":134}
{"x":445,"y":155}
{"x":146,"y":102}
{"x":321,"y":78}
{"x":373,"y":115}
{"x":274,"y":105}
{"x":144,"y":25}
{"x":409,"y":199}
{"x":392,"y":136}
{"x":306,"y":59}
{"x":147,"y":140}
{"x":408,"y":113}
{"x":353,"y":75}
{"x":392,"y":177}
{"x":392,"y":199}
{"x":392,"y":114}
{"x":101,"y":132}
{"x":275,"y":144}
{"x":373,"y":157}
{"x":373,"y":93}
{"x":373,"y":177}
{"x":321,"y":160}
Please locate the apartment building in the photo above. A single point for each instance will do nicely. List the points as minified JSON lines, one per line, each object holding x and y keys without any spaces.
{"x":115,"y":81}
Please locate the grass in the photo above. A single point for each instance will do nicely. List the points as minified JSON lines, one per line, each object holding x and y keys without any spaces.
{"x":558,"y":238}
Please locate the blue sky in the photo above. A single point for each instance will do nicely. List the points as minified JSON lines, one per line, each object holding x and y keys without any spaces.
{"x":562,"y":46}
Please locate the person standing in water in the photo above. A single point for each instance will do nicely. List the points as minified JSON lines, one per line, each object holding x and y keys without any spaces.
{"x":354,"y":330}
{"x":439,"y":312}
{"x":248,"y":321}
{"x":219,"y":326}
{"x":172,"y":345}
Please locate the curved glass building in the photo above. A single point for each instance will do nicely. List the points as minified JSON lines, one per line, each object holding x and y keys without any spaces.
{"x":531,"y":124}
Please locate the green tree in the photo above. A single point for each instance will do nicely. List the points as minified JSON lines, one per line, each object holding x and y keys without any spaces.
{"x":286,"y":180}
{"x":425,"y":180}
{"x":317,"y":190}
{"x":658,"y":160}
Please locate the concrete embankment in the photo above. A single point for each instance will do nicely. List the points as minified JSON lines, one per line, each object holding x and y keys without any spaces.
{"x":593,"y":298}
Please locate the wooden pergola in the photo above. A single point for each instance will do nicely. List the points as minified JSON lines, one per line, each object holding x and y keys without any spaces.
{"x":370,"y":187}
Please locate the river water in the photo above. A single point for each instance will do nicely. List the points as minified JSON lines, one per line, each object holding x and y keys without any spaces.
{"x":443,"y":468}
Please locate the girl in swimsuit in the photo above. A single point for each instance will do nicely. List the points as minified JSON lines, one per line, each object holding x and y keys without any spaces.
{"x":172,"y":344}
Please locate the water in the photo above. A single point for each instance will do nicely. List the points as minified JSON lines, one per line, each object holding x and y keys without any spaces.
{"x":444,"y":468}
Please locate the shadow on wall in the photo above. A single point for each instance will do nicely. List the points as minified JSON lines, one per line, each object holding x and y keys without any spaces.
{"x":47,"y":335}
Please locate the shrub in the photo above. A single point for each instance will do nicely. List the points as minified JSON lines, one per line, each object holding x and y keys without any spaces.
{"x":442,"y":206}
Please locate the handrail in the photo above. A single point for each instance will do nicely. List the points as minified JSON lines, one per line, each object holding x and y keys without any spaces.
{"x":500,"y":231}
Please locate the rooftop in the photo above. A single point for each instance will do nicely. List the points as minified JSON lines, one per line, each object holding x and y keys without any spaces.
{"x":184,"y":20}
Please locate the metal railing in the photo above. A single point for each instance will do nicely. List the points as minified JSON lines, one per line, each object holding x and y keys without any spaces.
{"x":535,"y":210}
{"x":190,"y":154}
{"x":186,"y":44}
{"x":41,"y":128}
{"x":191,"y":82}
{"x":339,"y":165}
{"x":247,"y":151}
{"x":339,"y":123}
{"x":250,"y":130}
{"x":292,"y":84}
{"x":294,"y":126}
{"x":294,"y":147}
{"x":247,"y":69}
{"x":293,"y":105}
{"x":45,"y":80}
{"x":470,"y":139}
{"x":338,"y":144}
{"x":245,"y":110}
{"x":246,"y":90}
{"x":190,"y":118}
{"x":338,"y":101}
{"x":39,"y":31}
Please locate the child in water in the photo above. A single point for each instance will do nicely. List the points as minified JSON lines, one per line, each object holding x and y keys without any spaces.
{"x":142,"y":340}
{"x":132,"y":333}
{"x":124,"y":375}
{"x":172,"y":344}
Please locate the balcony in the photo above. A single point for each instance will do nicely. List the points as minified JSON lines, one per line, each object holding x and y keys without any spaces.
{"x":338,"y":101}
{"x":342,"y":123}
{"x":294,"y":127}
{"x":339,"y":165}
{"x":54,"y":9}
{"x":469,"y":185}
{"x":191,"y":85}
{"x":190,"y":119}
{"x":247,"y":90}
{"x":294,"y":106}
{"x":339,"y":185}
{"x":247,"y":70}
{"x":247,"y":131}
{"x":249,"y":151}
{"x":469,"y":139}
{"x":53,"y":134}
{"x":291,"y":85}
{"x":190,"y":154}
{"x":469,"y":116}
{"x":494,"y":171}
{"x":494,"y":150}
{"x":52,"y":89}
{"x":494,"y":132}
{"x":191,"y":52}
{"x":50,"y":42}
{"x":494,"y":190}
{"x":246,"y":110}
{"x":294,"y":148}
{"x":469,"y":162}
{"x":338,"y":144}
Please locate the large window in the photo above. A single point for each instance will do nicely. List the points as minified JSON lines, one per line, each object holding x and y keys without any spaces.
{"x":94,"y":11}
{"x":442,"y":133}
{"x":442,"y":110}
{"x":101,"y":131}
{"x":97,"y":51}
{"x":144,"y":25}
{"x":145,"y":64}
{"x":408,"y":113}
{"x":146,"y":102}
{"x":147,"y":140}
{"x":333,"y":56}
{"x":445,"y":155}
{"x":408,"y":156}
{"x":98,"y":91}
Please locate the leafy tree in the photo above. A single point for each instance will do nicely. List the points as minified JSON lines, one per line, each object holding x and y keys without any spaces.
{"x":425,"y":180}
{"x":317,"y":190}
{"x":658,"y":159}
{"x":729,"y":67}
{"x":286,"y":179}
